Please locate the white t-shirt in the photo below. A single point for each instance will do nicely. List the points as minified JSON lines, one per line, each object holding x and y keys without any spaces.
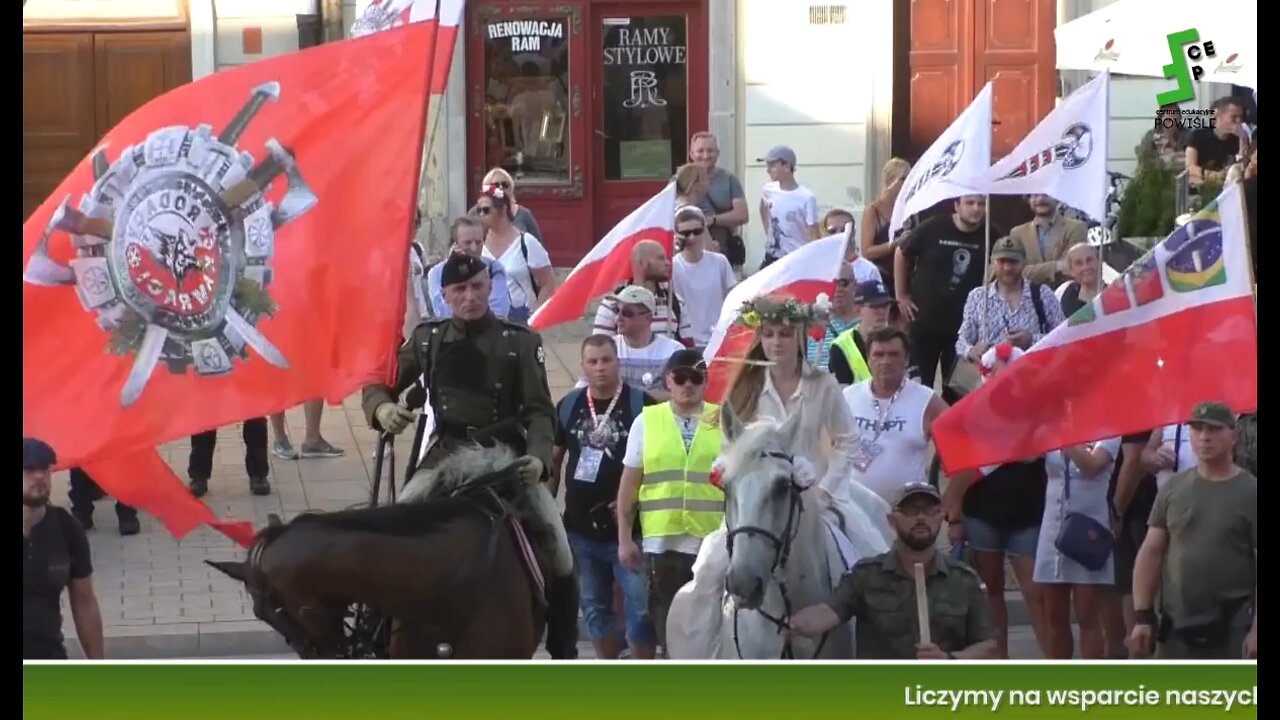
{"x":791,"y":214}
{"x":635,"y":363}
{"x":519,"y":281}
{"x":1177,"y":440}
{"x":701,"y":287}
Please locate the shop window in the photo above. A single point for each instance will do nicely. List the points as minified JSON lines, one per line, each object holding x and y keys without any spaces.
{"x":526,"y":98}
{"x":645,"y":96}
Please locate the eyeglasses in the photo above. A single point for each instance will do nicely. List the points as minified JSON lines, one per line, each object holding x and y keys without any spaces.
{"x":629,"y":313}
{"x":929,"y":511}
{"x":689,"y":233}
{"x":685,"y":376}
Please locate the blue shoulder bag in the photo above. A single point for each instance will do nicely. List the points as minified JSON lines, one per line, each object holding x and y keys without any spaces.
{"x":1082,"y":538}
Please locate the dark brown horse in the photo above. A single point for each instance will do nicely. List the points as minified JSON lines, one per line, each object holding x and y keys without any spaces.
{"x":446,"y":576}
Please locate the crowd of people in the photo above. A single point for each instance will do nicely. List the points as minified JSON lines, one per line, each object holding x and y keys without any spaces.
{"x":634,"y":445}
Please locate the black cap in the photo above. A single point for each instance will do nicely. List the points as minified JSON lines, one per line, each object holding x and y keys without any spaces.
{"x":685,"y":359}
{"x":37,"y":455}
{"x":872,"y":292}
{"x":460,"y":268}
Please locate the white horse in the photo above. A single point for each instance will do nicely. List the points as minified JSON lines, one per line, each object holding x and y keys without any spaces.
{"x":779,"y":557}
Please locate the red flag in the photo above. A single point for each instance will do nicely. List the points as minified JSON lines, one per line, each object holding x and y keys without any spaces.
{"x":609,"y":262}
{"x":233,"y":248}
{"x":803,"y":274}
{"x":1178,"y":328}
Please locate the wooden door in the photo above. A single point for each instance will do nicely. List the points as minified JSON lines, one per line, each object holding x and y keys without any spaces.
{"x":954,"y":47}
{"x":649,"y":94}
{"x":131,"y":68}
{"x":77,"y":86}
{"x":58,"y":125}
{"x":525,"y":81}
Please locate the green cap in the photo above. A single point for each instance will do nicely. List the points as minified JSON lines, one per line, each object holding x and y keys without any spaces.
{"x":1213,"y":413}
{"x":1007,"y":248}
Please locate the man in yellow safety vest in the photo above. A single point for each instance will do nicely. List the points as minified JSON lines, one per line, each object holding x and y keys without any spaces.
{"x":666,"y":475}
{"x":848,"y":351}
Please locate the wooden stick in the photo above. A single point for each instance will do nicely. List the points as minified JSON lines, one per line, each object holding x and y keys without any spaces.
{"x":922,"y":605}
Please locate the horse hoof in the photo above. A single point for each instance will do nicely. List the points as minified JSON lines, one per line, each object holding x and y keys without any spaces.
{"x":444,"y":650}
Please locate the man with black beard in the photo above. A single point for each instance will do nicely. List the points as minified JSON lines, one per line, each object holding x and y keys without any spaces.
{"x":880,"y":592}
{"x":55,"y":557}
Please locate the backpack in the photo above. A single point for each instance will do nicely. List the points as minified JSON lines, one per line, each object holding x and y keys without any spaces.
{"x":635,"y":398}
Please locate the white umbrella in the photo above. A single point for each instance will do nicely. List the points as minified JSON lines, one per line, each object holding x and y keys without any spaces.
{"x":1130,"y":37}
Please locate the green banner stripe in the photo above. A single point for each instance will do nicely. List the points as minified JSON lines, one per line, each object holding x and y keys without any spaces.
{"x":638,"y":690}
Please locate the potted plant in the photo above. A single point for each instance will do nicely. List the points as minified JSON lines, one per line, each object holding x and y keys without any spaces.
{"x":1147,"y":210}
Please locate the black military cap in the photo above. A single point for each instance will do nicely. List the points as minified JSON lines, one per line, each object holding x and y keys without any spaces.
{"x":37,"y":455}
{"x":460,"y":268}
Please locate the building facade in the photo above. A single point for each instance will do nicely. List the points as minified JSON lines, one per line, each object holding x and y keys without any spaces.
{"x":589,"y":104}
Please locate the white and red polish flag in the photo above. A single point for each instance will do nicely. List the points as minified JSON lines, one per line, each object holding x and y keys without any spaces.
{"x":802,"y":274}
{"x":609,"y":262}
{"x":1176,"y":329}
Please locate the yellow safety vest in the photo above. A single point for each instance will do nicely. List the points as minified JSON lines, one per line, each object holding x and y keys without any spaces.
{"x":857,"y":363}
{"x":677,"y":500}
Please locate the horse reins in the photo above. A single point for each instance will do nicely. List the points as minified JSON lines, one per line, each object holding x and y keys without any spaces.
{"x":782,"y":552}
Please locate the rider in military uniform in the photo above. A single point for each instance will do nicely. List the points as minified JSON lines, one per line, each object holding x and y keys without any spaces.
{"x":880,"y":592}
{"x":488,"y":383}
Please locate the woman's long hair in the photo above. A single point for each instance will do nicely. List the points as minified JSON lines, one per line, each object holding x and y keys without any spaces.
{"x":748,"y":380}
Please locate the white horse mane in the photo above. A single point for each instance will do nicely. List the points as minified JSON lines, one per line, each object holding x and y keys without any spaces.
{"x":461,"y":467}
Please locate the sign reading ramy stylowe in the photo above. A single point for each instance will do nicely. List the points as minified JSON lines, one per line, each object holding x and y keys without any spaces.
{"x":645,"y":46}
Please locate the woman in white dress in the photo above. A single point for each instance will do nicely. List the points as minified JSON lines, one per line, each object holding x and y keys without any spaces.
{"x":1078,"y":479}
{"x":775,"y":381}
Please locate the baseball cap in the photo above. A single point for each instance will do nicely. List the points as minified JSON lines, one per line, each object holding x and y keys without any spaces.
{"x":37,"y":455}
{"x":1006,"y":248}
{"x":912,"y":489}
{"x":1213,"y":413}
{"x":686,"y":359}
{"x":871,"y":292}
{"x":637,"y":295}
{"x":779,"y":152}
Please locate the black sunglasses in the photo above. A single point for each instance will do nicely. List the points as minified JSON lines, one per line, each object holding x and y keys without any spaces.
{"x":684,"y":376}
{"x":834,"y":230}
{"x":629,"y":313}
{"x":843,"y":282}
{"x":502,"y":184}
{"x":484,"y":209}
{"x":689,"y":233}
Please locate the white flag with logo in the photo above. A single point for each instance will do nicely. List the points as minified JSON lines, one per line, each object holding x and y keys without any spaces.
{"x":376,"y":15}
{"x":956,"y":164}
{"x":1065,"y":156}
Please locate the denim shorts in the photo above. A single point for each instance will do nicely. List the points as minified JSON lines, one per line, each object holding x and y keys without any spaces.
{"x":986,"y":537}
{"x":598,"y":568}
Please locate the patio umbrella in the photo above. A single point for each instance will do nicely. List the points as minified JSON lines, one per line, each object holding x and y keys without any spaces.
{"x":1130,"y":37}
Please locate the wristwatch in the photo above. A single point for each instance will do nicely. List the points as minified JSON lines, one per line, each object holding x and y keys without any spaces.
{"x":1144,"y":617}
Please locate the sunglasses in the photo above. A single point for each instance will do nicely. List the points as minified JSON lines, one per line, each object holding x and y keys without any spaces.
{"x":685,"y":376}
{"x":503,"y":185}
{"x":929,"y":511}
{"x":834,"y":230}
{"x":629,"y":313}
{"x":484,"y":209}
{"x":689,"y":233}
{"x":843,"y":282}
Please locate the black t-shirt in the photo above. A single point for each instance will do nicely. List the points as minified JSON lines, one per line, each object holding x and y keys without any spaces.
{"x":1144,"y":497}
{"x":582,"y":497}
{"x":946,"y":263}
{"x":1011,"y":497}
{"x":1213,"y":152}
{"x":56,"y":552}
{"x":1071,"y":301}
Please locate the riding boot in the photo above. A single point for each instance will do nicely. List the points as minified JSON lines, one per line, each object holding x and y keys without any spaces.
{"x":556,"y":544}
{"x":562,"y":618}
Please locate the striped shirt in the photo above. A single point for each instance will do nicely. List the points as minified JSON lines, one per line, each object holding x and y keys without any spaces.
{"x":665,"y":323}
{"x":820,"y":353}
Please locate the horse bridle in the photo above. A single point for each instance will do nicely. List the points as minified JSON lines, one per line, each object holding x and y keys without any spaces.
{"x":782,"y":551}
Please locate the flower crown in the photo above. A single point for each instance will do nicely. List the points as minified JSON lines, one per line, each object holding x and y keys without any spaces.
{"x":494,"y":191}
{"x":784,"y":310}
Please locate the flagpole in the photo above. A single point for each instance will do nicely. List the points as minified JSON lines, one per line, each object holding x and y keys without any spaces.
{"x":986,"y":270}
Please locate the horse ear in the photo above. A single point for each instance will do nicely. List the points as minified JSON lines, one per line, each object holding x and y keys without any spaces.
{"x":730,"y":426}
{"x":234,"y":570}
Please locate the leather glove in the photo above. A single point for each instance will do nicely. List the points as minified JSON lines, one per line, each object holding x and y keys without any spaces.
{"x":393,"y":417}
{"x":530,"y":469}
